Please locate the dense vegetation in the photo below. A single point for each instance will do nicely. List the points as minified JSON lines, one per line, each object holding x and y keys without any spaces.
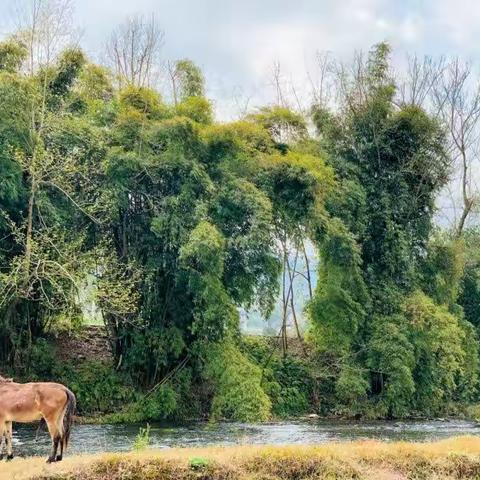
{"x":182,"y":220}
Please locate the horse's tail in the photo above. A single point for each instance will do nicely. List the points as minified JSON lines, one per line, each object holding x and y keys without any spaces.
{"x":70,"y":408}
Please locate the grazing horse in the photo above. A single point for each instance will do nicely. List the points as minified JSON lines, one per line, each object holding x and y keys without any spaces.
{"x":28,"y":402}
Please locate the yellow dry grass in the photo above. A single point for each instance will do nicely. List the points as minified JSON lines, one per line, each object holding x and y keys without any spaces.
{"x":456,"y":458}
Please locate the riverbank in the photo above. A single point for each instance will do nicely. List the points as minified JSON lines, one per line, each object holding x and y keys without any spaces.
{"x":455,"y":458}
{"x":108,"y":395}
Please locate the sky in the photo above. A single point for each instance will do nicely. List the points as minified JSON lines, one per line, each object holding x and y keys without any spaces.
{"x":236,"y":42}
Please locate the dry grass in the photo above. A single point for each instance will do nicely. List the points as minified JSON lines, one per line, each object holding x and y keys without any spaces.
{"x":457,"y":458}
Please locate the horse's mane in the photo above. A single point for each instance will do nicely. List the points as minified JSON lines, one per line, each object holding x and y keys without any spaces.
{"x":5,"y":380}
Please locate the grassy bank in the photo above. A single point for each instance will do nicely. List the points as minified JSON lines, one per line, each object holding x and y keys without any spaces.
{"x":457,"y":458}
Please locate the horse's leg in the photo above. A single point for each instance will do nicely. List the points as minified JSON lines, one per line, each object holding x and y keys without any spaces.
{"x":60,"y":457}
{"x":3,"y":439}
{"x":61,"y":434}
{"x":9,"y":440}
{"x":55,"y":436}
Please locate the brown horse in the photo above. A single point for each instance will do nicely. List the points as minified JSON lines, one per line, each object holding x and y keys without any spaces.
{"x":28,"y":402}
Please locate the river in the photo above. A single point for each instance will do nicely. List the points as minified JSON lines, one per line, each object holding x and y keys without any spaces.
{"x":118,"y":438}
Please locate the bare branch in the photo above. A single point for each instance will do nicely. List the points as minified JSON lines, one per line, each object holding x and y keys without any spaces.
{"x":133,"y":50}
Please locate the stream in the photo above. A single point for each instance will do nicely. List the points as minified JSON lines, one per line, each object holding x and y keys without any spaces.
{"x":119,"y":438}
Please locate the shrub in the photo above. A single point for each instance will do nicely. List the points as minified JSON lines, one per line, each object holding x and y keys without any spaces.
{"x":142,"y":440}
{"x":287,"y":380}
{"x":98,"y":388}
{"x":238,"y":393}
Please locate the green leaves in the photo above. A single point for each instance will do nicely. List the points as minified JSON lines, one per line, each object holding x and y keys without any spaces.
{"x":69,"y":66}
{"x":244,"y":215}
{"x":188,"y":80}
{"x":390,"y":164}
{"x":197,"y":109}
{"x":285,"y":126}
{"x":238,"y":391}
{"x":183,"y":220}
{"x":12,"y":55}
{"x":204,"y":251}
{"x":442,"y":362}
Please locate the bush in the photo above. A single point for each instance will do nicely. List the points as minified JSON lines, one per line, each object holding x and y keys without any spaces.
{"x":351,"y":386}
{"x":238,"y":393}
{"x":287,"y":380}
{"x":154,"y":407}
{"x":142,"y":440}
{"x":43,"y":361}
{"x":98,"y":387}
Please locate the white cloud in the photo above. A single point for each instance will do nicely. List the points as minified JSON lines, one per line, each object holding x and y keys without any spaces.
{"x":236,"y":42}
{"x":458,"y":20}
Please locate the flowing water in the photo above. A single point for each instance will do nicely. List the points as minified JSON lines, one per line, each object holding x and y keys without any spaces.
{"x":117,"y":438}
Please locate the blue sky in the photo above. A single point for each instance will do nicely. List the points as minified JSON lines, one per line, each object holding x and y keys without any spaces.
{"x":235,"y":42}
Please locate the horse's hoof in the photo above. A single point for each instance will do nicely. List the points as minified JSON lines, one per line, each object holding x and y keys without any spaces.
{"x":9,"y":457}
{"x":1,"y":456}
{"x":51,"y":460}
{"x":59,"y":458}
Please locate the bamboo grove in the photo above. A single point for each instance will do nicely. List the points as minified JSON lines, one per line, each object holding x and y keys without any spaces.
{"x":182,"y":220}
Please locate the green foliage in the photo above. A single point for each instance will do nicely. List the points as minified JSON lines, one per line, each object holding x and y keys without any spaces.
{"x":188,"y":80}
{"x":183,"y":220}
{"x":392,"y":355}
{"x":374,"y":255}
{"x":469,"y":294}
{"x":351,"y":387}
{"x":244,"y":215}
{"x":99,"y":389}
{"x":338,"y":307}
{"x":94,"y":83}
{"x":142,"y":440}
{"x":425,"y":357}
{"x":238,"y":393}
{"x":442,"y":361}
{"x":142,"y":100}
{"x":284,"y":125}
{"x":203,"y":258}
{"x":288,"y":381}
{"x":157,"y":406}
{"x":42,"y":360}
{"x":294,"y":395}
{"x":12,"y":55}
{"x":204,"y":251}
{"x":198,"y":109}
{"x":444,"y":269}
{"x":198,"y":463}
{"x":473,"y":412}
{"x":69,"y":66}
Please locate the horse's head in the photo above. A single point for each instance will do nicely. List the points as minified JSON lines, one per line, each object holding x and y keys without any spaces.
{"x":5,"y":380}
